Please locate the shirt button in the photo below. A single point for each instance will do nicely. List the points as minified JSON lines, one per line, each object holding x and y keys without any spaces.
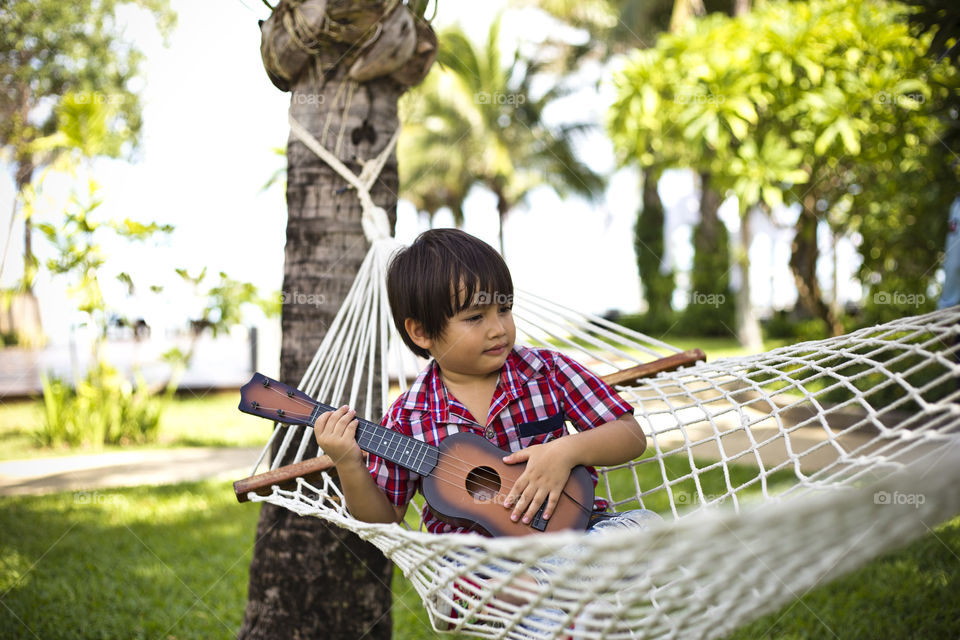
{"x":489,"y":433}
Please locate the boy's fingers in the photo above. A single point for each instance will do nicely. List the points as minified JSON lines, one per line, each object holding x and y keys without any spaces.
{"x":517,"y":456}
{"x":551,"y":505}
{"x":326,"y":417}
{"x":350,"y":428}
{"x":517,"y":501}
{"x":344,"y":423}
{"x":534,"y":507}
{"x":518,"y":508}
{"x":516,"y":492}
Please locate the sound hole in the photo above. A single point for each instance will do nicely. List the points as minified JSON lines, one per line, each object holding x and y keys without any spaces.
{"x":483,"y":483}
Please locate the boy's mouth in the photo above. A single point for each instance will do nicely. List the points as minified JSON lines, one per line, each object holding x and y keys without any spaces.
{"x":497,"y":349}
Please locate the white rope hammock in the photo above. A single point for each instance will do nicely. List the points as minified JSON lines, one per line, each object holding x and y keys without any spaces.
{"x":828,"y":452}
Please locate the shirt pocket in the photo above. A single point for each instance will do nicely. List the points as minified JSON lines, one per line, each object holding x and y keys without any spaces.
{"x":541,"y":431}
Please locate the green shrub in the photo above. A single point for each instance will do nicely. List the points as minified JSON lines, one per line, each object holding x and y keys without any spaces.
{"x":651,"y":324}
{"x":712,"y":319}
{"x":784,"y":324}
{"x":104,"y":408}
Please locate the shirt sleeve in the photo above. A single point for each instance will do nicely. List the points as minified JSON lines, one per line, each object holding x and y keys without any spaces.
{"x":588,"y":401}
{"x":397,"y":483}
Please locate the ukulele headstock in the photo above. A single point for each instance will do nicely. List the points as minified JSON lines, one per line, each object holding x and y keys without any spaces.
{"x":267,"y":398}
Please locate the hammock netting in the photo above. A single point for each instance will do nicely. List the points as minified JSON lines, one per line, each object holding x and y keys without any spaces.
{"x":773,"y":473}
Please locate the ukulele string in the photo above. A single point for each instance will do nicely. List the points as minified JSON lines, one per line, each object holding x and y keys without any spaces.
{"x":464,"y":470}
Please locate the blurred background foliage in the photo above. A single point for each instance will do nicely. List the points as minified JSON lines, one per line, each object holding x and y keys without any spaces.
{"x":71,"y":95}
{"x":831,"y":105}
{"x":846,"y":111}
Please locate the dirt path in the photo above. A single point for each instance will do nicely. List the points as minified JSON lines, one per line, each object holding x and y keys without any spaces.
{"x":124,"y":469}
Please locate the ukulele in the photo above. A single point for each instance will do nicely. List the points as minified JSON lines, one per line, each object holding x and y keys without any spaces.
{"x":465,"y":480}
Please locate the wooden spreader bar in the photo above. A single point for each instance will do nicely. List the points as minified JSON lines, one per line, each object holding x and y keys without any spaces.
{"x":310,"y":470}
{"x":626,"y":377}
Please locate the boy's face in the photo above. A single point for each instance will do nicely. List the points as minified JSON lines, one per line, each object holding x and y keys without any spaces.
{"x":477,"y":340}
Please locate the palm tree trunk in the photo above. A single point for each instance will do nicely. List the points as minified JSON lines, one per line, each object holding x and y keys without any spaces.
{"x":710,"y":278}
{"x":24,"y":174}
{"x":803,"y":264}
{"x":748,"y":327}
{"x":648,"y":243}
{"x":309,"y":579}
{"x":683,"y":12}
{"x":503,"y":208}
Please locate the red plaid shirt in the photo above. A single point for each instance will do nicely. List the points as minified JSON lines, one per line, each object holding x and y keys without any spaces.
{"x":538,"y":389}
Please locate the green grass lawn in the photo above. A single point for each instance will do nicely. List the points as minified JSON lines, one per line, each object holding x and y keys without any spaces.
{"x":190,"y":420}
{"x":171,"y":562}
{"x":145,"y":562}
{"x":717,"y":348}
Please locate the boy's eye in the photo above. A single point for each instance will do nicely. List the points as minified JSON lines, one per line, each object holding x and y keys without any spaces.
{"x":474,"y":318}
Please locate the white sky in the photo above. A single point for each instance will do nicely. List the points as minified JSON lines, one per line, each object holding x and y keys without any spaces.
{"x":211,"y":120}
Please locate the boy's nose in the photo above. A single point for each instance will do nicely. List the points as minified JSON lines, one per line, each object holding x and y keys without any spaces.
{"x":495,"y":327}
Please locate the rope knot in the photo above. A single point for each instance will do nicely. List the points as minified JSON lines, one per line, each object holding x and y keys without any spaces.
{"x":375,"y":223}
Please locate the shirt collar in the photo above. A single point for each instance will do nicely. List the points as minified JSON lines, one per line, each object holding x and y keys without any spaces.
{"x":428,"y":393}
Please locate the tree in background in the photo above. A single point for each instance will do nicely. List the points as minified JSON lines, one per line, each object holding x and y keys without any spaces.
{"x":51,"y":49}
{"x":711,"y":308}
{"x":828,"y":105}
{"x":940,"y":20}
{"x":656,"y":278}
{"x":100,"y":405}
{"x":476,"y":121}
{"x":615,"y":27}
{"x":68,"y":98}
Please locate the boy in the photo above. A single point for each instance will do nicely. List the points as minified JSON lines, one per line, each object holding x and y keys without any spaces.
{"x":451,"y":297}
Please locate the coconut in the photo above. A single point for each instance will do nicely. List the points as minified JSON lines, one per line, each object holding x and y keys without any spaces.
{"x":289,"y":37}
{"x":416,"y":68}
{"x":390,"y":50}
{"x":353,"y":21}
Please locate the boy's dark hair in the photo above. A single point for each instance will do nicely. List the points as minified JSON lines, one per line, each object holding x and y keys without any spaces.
{"x":421,"y":280}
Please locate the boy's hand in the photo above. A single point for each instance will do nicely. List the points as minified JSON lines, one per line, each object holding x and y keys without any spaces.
{"x":543,"y":480}
{"x":335,"y":432}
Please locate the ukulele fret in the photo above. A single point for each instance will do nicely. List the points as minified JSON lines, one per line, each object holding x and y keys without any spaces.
{"x":361,"y":434}
{"x":317,"y":410}
{"x":422,"y":452}
{"x":395,"y":445}
{"x":398,"y":448}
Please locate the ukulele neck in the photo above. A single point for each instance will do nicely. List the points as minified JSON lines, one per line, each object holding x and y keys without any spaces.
{"x":267,"y":398}
{"x":409,"y":453}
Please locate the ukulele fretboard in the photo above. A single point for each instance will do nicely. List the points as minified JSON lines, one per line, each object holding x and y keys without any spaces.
{"x":405,"y":451}
{"x":409,"y":453}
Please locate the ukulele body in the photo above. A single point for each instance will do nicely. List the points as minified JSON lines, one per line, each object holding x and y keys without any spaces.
{"x":470,"y":482}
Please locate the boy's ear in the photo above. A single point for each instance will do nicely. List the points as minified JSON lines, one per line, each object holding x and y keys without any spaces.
{"x":416,"y":332}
